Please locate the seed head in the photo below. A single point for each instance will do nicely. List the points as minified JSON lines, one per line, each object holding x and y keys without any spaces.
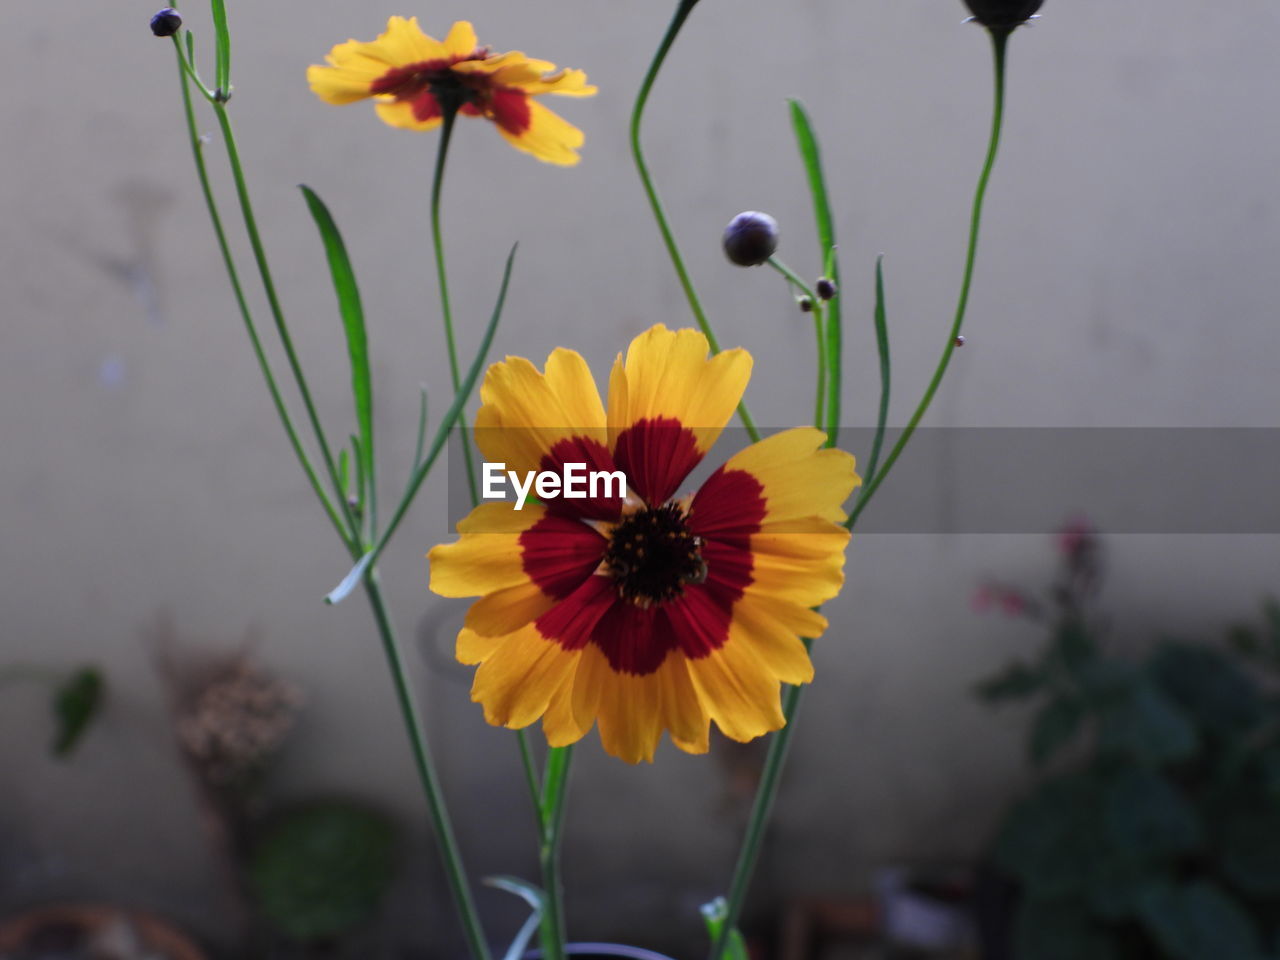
{"x":751,"y":238}
{"x":166,"y":22}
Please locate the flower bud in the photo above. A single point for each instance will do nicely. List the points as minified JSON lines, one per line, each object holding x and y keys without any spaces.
{"x":751,"y":238}
{"x":806,"y":305}
{"x":166,"y":22}
{"x":960,"y":341}
{"x":824,"y":288}
{"x":1002,"y":14}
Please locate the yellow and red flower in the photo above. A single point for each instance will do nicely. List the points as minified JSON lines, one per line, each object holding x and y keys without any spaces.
{"x":644,"y":613}
{"x":412,"y":76}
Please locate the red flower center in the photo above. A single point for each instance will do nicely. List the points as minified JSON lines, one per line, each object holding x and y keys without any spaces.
{"x":437,"y":78}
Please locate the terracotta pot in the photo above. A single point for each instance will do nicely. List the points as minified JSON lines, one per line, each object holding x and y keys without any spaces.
{"x":72,"y":924}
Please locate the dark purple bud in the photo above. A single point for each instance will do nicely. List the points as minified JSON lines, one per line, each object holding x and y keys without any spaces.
{"x":1003,"y":14}
{"x":824,"y":288}
{"x":806,"y":305}
{"x":751,"y":238}
{"x":166,"y":22}
{"x":959,"y":341}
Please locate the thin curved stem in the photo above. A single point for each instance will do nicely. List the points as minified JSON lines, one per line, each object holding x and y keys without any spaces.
{"x":450,"y":115}
{"x":655,"y":202}
{"x":457,"y":874}
{"x":999,"y":41}
{"x":819,"y":335}
{"x":224,"y":248}
{"x":882,"y":350}
{"x":277,"y":312}
{"x":749,"y":854}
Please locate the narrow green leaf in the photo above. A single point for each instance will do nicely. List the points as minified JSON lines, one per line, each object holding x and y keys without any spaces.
{"x":882,"y":348}
{"x":222,"y":49}
{"x":438,"y":441}
{"x":812,"y":157}
{"x":76,"y":702}
{"x":349,"y":305}
{"x":344,"y":471}
{"x":361,"y":477}
{"x":713,"y":913}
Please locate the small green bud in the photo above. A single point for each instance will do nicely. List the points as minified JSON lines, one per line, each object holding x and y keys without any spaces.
{"x":166,"y":22}
{"x":751,"y":238}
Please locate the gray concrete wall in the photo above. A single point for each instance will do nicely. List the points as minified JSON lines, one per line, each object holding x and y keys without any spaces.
{"x":1127,"y":278}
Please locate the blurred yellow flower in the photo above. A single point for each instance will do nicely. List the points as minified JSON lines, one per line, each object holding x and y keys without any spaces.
{"x":412,"y":76}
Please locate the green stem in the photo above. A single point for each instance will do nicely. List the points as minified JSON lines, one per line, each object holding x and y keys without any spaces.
{"x":450,"y":114}
{"x":761,"y":808}
{"x":999,"y":43}
{"x":655,"y":202}
{"x":457,"y":874}
{"x":820,"y":337}
{"x":202,"y":172}
{"x":277,"y":313}
{"x":882,"y":349}
{"x":554,"y":795}
{"x":449,"y":117}
{"x":774,"y":760}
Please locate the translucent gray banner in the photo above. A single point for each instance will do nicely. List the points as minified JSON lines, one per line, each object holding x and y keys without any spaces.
{"x":1027,"y":480}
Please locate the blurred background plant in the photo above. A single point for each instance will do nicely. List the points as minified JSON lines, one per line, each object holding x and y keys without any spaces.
{"x":1154,"y":828}
{"x":306,"y":876}
{"x":76,"y":699}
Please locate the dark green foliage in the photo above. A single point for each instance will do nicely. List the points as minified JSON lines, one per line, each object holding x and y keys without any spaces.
{"x":76,"y":702}
{"x":319,"y":871}
{"x":1160,"y":837}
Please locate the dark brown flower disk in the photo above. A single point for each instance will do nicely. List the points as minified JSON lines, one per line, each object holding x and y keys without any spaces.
{"x":1002,"y":14}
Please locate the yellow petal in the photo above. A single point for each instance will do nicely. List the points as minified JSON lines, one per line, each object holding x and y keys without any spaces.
{"x":549,"y":137}
{"x":517,"y":680}
{"x":534,"y":77}
{"x":630,"y":716}
{"x":767,"y":626}
{"x":461,"y":41}
{"x":668,"y":374}
{"x":487,"y":556}
{"x":402,"y":43}
{"x":526,"y":412}
{"x":472,"y":648}
{"x":739,"y":692}
{"x":682,"y":712}
{"x":399,"y":113}
{"x":506,"y":611}
{"x":800,"y":480}
{"x":355,"y":65}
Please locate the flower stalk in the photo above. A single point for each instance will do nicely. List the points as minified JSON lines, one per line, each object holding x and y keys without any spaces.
{"x":683,"y":10}
{"x":999,"y":47}
{"x":775,"y":759}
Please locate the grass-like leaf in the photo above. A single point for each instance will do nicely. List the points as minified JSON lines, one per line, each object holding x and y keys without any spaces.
{"x":437,"y":442}
{"x":807,"y":143}
{"x":352,"y":311}
{"x":222,"y":49}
